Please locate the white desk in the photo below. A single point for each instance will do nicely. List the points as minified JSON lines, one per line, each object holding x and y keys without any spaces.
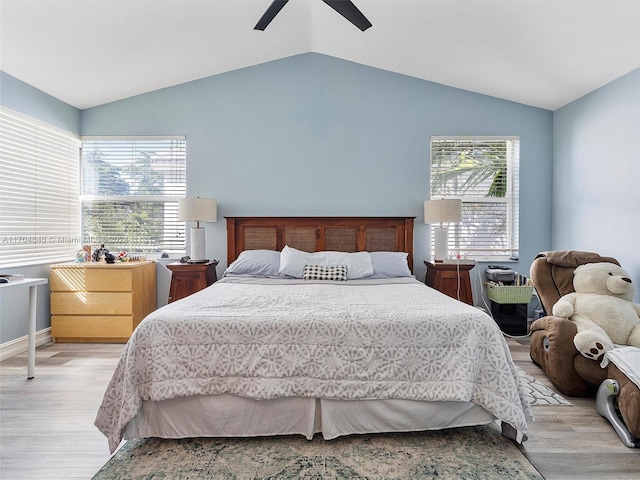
{"x":32,"y":283}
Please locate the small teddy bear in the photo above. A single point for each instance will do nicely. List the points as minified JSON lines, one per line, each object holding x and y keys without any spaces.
{"x":602,"y":308}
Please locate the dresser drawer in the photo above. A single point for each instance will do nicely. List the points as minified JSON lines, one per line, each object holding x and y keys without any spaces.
{"x":92,"y":303}
{"x":94,"y":280}
{"x":91,"y":326}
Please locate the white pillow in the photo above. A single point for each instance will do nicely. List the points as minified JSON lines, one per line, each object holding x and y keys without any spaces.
{"x":293,"y":261}
{"x":261,"y":263}
{"x":390,"y":264}
{"x":358,"y":264}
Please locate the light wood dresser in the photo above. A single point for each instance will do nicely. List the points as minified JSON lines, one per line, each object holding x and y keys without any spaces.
{"x":99,"y":302}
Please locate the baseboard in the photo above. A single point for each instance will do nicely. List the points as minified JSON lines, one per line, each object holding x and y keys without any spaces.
{"x":20,"y":345}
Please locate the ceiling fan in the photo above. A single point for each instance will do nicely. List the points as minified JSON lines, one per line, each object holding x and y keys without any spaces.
{"x":346,"y":8}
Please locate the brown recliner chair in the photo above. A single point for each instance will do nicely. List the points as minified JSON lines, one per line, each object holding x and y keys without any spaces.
{"x":552,"y":346}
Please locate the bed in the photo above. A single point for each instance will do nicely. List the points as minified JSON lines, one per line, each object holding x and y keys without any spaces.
{"x":317,"y":326}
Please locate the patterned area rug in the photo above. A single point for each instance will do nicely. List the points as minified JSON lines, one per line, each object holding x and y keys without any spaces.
{"x":463,"y":453}
{"x":539,"y":393}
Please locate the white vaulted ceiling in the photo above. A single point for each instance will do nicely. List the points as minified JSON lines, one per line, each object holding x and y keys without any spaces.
{"x":544,"y":53}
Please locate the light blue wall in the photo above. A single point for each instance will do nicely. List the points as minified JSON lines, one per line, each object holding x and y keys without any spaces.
{"x":30,"y":101}
{"x":315,"y":135}
{"x":23,"y":98}
{"x":596,"y":174}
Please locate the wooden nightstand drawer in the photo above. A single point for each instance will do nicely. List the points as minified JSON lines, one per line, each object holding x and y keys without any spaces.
{"x":451,"y":279}
{"x":189,"y":278}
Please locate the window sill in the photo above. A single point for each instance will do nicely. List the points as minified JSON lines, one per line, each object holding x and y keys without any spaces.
{"x":493,"y":259}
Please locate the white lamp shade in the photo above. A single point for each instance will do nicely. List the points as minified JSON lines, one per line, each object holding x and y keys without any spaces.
{"x":444,"y":210}
{"x":197,"y":209}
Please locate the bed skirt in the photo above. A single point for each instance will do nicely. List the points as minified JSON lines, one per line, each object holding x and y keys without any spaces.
{"x":232,"y":416}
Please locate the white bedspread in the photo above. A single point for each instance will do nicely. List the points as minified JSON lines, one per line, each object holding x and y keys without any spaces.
{"x":265,"y":339}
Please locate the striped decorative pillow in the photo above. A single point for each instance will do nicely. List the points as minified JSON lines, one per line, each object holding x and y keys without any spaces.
{"x":325,"y":272}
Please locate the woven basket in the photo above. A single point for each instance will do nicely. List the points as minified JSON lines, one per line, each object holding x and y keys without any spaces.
{"x":509,"y":294}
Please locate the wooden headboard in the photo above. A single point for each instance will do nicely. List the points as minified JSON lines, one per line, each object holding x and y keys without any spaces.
{"x":314,"y":234}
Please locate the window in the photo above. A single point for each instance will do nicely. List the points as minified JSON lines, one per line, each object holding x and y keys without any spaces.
{"x":483,"y":172}
{"x":39,"y":186}
{"x":130,"y":191}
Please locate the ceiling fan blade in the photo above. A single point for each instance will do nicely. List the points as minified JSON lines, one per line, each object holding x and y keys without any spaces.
{"x":348,"y":10}
{"x":270,"y":13}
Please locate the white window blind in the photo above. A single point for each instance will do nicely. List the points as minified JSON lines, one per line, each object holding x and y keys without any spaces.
{"x":484,"y":173}
{"x":130,"y":191}
{"x":39,"y":187}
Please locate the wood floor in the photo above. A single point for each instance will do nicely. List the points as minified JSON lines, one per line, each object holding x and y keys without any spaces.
{"x":47,"y":432}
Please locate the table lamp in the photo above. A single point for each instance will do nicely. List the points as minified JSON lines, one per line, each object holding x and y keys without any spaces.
{"x":441,"y":211}
{"x":197,"y":210}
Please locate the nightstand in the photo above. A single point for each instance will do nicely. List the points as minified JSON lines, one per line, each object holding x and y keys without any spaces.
{"x":188,"y":278}
{"x":444,"y":278}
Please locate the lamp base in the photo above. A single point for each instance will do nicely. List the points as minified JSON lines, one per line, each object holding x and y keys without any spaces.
{"x":197,"y":245}
{"x":440,"y":243}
